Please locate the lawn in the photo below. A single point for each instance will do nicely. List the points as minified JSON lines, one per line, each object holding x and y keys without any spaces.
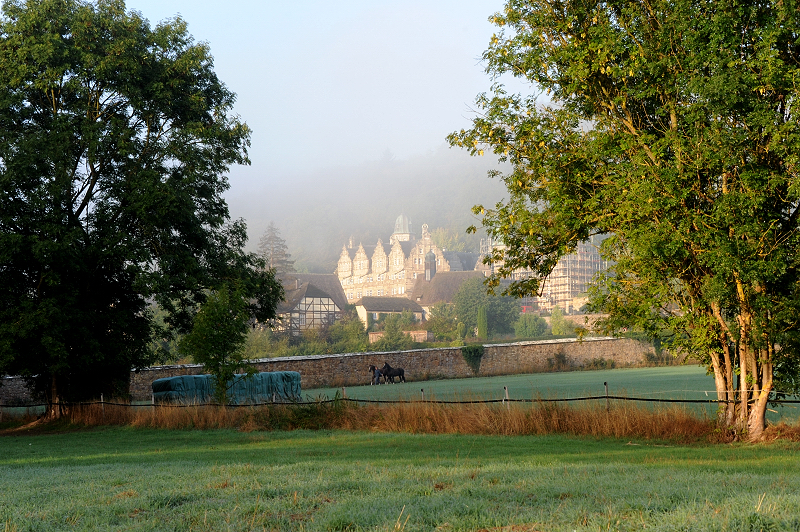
{"x":672,"y":382}
{"x":136,"y":479}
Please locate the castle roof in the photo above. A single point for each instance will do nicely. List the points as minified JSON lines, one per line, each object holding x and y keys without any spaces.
{"x":442,"y":288}
{"x":461,"y":261}
{"x":388,"y":304}
{"x":407,"y":246}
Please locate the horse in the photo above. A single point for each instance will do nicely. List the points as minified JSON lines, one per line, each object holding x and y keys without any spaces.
{"x":389,"y":373}
{"x":376,"y":375}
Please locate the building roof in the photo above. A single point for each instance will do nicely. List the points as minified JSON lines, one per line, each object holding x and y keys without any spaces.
{"x":407,"y":246}
{"x":461,"y":260}
{"x":388,"y":304}
{"x":402,"y":225}
{"x":442,"y":288}
{"x":383,"y":246}
{"x":299,"y":285}
{"x":351,"y":252}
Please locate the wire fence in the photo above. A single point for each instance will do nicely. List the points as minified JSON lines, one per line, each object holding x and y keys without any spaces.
{"x":344,"y":399}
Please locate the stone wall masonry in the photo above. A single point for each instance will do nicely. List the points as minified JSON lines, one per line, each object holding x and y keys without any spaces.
{"x":14,"y":390}
{"x":351,"y":369}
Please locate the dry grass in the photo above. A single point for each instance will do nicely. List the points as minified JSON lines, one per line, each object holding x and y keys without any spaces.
{"x":623,"y":420}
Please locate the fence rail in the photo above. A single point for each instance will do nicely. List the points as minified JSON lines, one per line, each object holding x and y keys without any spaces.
{"x":405,"y":401}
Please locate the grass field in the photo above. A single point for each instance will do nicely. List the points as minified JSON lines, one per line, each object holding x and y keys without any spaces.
{"x":673,"y":382}
{"x":136,"y":479}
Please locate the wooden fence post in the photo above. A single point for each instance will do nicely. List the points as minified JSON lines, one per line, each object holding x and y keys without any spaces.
{"x":607,"y":403}
{"x":506,"y":400}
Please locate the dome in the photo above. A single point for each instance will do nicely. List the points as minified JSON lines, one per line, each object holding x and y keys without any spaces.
{"x":402,"y":225}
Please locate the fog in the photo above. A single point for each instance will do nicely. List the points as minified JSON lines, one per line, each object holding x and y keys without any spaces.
{"x":317,"y":212}
{"x":349,"y":103}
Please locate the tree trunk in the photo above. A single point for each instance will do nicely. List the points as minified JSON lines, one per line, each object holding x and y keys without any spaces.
{"x":54,"y":408}
{"x":723,"y":372}
{"x":757,"y":420}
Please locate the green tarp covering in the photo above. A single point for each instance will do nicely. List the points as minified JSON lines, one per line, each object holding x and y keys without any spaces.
{"x":264,"y":387}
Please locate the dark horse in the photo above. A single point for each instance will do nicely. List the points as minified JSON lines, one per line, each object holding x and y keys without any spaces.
{"x":389,"y":373}
{"x":376,"y":375}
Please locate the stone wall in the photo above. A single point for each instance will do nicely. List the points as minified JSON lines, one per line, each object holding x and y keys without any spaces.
{"x":351,"y":369}
{"x":13,"y":390}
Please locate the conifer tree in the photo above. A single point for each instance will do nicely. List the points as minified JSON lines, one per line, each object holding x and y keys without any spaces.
{"x":274,"y":250}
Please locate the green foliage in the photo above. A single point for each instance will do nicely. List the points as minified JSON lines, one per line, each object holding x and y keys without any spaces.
{"x":673,"y":128}
{"x":348,"y":334}
{"x":483,"y":323}
{"x":257,"y":343}
{"x":559,"y":325}
{"x":442,"y":322}
{"x":407,"y":319}
{"x":115,"y":138}
{"x":530,"y":326}
{"x":272,"y":248}
{"x":218,"y":338}
{"x":393,"y":339}
{"x":454,"y":240}
{"x":473,"y":353}
{"x":501,"y":311}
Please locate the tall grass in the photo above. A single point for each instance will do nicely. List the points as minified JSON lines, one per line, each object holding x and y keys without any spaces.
{"x":620,"y":420}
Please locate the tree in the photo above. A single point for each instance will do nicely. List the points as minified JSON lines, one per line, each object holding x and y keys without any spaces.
{"x":442,"y":321}
{"x":501,"y":312}
{"x":218,"y":338}
{"x":671,"y":126}
{"x":348,"y":335}
{"x":450,"y":240}
{"x":559,"y":325}
{"x":274,"y":250}
{"x":530,"y":326}
{"x":114,"y":140}
{"x":483,"y":323}
{"x":393,"y":339}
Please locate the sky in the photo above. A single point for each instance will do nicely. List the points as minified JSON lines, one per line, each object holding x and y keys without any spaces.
{"x":331,"y":86}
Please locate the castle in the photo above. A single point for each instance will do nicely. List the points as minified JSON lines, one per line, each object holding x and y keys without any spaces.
{"x":396,"y":269}
{"x":391,"y":269}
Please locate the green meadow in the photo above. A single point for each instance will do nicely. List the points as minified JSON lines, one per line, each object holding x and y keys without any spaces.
{"x":75,"y":478}
{"x":160,"y":480}
{"x":672,"y":382}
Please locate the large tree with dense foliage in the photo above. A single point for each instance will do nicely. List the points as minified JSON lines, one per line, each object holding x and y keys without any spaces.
{"x":673,"y":127}
{"x":114,"y":140}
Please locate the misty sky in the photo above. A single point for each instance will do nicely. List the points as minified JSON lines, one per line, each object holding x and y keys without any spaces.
{"x":331,"y":86}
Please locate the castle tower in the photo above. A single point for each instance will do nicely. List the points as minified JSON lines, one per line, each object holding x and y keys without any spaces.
{"x":430,"y":265}
{"x":402,"y":230}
